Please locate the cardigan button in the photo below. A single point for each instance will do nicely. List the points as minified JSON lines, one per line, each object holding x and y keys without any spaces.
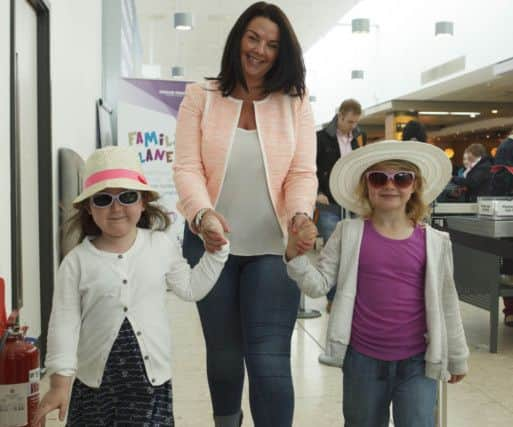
{"x":120,"y":256}
{"x":125,"y":309}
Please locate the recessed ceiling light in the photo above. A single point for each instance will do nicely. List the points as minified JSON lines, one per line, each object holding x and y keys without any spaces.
{"x":183,"y":21}
{"x":360,"y":26}
{"x":177,"y":71}
{"x":495,"y":111}
{"x":465,"y":113}
{"x":444,"y":28}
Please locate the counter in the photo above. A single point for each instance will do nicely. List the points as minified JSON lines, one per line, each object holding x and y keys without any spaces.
{"x":483,"y":262}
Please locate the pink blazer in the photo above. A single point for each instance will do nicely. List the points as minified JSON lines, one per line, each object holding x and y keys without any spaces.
{"x":204,"y":134}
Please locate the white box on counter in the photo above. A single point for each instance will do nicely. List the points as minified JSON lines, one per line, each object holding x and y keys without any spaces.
{"x":495,"y":207}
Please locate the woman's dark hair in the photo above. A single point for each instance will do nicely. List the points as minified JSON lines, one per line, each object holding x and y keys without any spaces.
{"x":414,"y":131}
{"x":82,"y":224}
{"x":288,"y":72}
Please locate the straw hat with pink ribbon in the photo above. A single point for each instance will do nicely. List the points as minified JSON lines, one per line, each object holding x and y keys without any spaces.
{"x":114,"y":167}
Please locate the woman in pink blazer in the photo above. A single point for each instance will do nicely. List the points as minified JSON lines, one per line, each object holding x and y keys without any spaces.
{"x":245,"y":166}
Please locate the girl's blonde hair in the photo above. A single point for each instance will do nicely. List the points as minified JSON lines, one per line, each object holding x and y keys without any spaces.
{"x":416,"y":209}
{"x":81,"y":224}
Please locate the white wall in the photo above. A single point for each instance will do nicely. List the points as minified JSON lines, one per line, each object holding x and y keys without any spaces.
{"x":76,"y":84}
{"x":76,"y":61}
{"x":5,"y":170}
{"x":76,"y":73}
{"x":402,"y":46}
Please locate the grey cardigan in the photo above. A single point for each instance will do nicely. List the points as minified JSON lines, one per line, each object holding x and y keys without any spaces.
{"x":447,"y":351}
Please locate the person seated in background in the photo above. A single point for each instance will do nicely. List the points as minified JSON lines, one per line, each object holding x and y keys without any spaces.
{"x":414,"y":131}
{"x":477,"y":178}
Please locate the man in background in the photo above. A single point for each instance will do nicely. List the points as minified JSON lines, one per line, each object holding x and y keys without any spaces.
{"x":338,"y":138}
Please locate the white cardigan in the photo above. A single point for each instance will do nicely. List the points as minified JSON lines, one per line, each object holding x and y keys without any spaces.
{"x":447,"y":351}
{"x":96,"y":290}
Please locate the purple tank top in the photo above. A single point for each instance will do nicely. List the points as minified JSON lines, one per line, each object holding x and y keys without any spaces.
{"x":389,"y":320}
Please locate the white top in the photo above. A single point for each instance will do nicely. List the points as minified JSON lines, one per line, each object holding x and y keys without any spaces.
{"x":95,"y":290}
{"x":344,"y":142}
{"x":245,"y":201}
{"x":447,"y":351}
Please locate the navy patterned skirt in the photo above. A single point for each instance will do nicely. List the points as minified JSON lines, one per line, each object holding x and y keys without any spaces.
{"x":125,"y":397}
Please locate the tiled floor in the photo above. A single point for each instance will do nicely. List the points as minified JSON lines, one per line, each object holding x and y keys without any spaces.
{"x":483,"y":399}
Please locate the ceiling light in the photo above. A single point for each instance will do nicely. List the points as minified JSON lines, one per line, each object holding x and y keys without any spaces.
{"x":357,"y":74}
{"x":360,"y":26}
{"x":465,"y":113}
{"x":177,"y":72}
{"x":495,"y":111}
{"x":183,"y":21}
{"x":449,"y":113}
{"x":449,"y":152}
{"x":444,"y":28}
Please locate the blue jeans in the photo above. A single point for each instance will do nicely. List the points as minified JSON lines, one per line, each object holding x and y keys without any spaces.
{"x":248,"y":317}
{"x":370,"y":385}
{"x":329,"y":216}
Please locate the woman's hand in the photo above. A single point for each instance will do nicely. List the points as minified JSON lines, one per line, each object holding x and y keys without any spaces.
{"x":56,"y":398}
{"x":307,"y":233}
{"x":213,"y":228}
{"x":323,"y":199}
{"x":302,"y":235}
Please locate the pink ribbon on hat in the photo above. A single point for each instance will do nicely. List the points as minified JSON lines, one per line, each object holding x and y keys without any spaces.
{"x":114,"y":174}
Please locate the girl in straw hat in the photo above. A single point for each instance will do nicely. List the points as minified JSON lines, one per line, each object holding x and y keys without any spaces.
{"x":395,"y":326}
{"x":109,"y":326}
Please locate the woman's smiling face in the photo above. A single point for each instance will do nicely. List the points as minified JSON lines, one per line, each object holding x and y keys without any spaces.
{"x":259,"y":49}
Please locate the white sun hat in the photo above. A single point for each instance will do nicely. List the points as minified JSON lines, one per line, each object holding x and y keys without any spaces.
{"x":435,"y":166}
{"x":114,"y":167}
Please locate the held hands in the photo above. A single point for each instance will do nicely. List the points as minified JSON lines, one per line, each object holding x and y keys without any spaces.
{"x":56,"y":398}
{"x":302,"y":235}
{"x":323,"y":199}
{"x":213,"y":228}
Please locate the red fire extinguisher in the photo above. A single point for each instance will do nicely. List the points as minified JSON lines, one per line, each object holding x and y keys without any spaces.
{"x":19,"y":373}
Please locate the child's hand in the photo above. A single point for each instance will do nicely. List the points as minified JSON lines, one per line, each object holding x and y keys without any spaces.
{"x":456,"y":378}
{"x":301,"y":238}
{"x":56,"y":398}
{"x":213,"y":229}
